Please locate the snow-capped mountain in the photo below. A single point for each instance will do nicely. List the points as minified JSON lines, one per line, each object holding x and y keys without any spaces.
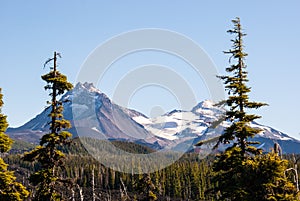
{"x":203,"y":122}
{"x":93,"y":114}
{"x":181,"y":124}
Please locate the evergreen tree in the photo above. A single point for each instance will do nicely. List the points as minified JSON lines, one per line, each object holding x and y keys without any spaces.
{"x":147,"y":188}
{"x":242,"y":172}
{"x":238,"y":100}
{"x":229,"y":165}
{"x":47,"y":154}
{"x":10,"y":189}
{"x":269,"y":182}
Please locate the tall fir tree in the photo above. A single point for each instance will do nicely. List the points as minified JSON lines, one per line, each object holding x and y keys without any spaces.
{"x":242,"y":172}
{"x":47,"y":154}
{"x":10,"y":189}
{"x":238,"y":99}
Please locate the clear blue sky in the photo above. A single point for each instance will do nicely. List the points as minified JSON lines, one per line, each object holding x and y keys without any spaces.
{"x":31,"y":30}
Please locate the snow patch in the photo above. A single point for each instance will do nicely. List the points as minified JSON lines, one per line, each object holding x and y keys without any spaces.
{"x":142,"y":120}
{"x":96,"y":129}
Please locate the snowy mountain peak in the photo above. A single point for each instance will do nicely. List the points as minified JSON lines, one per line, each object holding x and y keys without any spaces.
{"x":87,"y":87}
{"x":207,"y":104}
{"x":81,"y":92}
{"x":203,"y":122}
{"x":208,"y":109}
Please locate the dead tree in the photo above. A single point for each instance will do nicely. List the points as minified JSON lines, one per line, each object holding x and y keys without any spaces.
{"x":277,"y":149}
{"x":295,"y":172}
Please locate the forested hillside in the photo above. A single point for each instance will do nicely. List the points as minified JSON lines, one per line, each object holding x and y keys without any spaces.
{"x":187,"y":179}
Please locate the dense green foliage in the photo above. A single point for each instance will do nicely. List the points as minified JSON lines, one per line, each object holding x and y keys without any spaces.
{"x":187,"y":179}
{"x":242,"y":172}
{"x":47,"y":178}
{"x":5,"y":141}
{"x":10,"y":189}
{"x":260,"y":177}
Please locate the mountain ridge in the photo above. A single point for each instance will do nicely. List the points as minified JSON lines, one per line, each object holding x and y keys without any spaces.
{"x":93,"y":114}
